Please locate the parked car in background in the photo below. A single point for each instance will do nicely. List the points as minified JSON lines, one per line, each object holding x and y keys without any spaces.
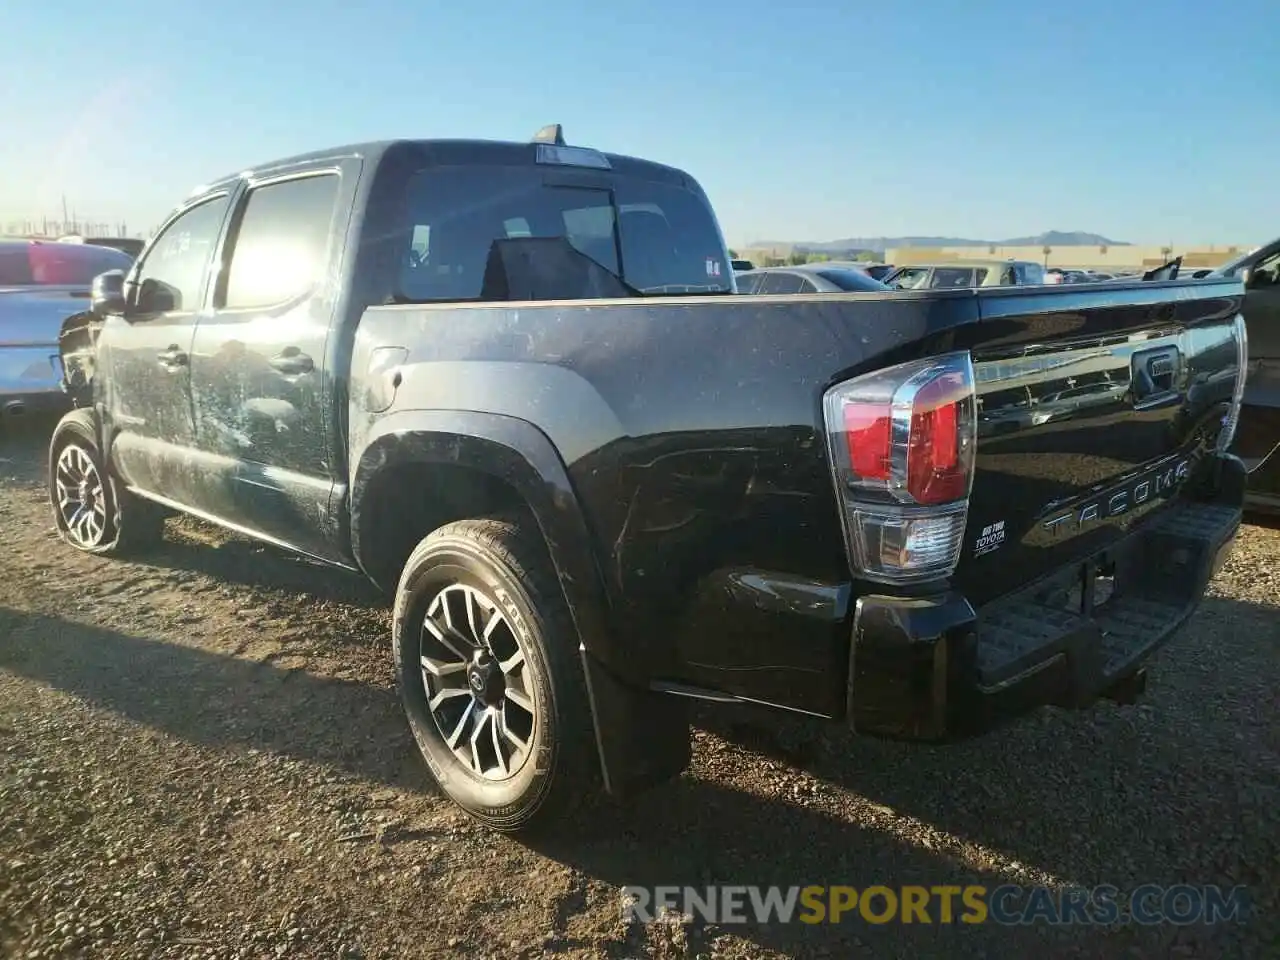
{"x":741,"y":265}
{"x":876,"y":271}
{"x":1258,"y":436}
{"x":953,"y":274}
{"x":1068,"y":275}
{"x":808,"y":278}
{"x":42,"y":283}
{"x":130,"y":245}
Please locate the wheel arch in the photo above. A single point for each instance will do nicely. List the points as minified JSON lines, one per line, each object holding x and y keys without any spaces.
{"x":514,"y":468}
{"x":497,"y":463}
{"x":82,"y":420}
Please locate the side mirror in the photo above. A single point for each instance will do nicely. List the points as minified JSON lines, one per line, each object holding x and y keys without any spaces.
{"x":106,"y":296}
{"x":1245,"y":276}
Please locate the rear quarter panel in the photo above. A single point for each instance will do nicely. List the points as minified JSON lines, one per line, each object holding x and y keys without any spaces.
{"x":691,"y":433}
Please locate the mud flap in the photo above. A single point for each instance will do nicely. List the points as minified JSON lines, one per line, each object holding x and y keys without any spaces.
{"x":642,"y":736}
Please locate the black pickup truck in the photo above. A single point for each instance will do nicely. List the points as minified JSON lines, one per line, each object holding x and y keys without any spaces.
{"x":512,"y":384}
{"x":1257,"y":440}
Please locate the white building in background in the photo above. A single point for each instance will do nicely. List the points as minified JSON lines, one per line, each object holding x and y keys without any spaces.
{"x":1130,"y":257}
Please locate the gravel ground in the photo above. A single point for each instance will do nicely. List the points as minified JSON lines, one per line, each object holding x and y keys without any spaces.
{"x":202,"y":755}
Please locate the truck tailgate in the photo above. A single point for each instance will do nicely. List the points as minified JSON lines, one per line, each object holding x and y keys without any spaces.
{"x":1088,"y":419}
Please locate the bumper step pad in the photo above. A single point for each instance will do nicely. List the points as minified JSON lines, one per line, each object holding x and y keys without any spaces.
{"x":1160,"y":572}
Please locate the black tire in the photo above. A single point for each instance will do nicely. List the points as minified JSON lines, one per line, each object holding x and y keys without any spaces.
{"x":504,"y":563}
{"x":122,"y":523}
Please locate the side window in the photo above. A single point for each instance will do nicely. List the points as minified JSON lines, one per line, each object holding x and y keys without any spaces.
{"x":749,"y":283}
{"x":1266,"y":273}
{"x":282,"y":242}
{"x":910,"y":278}
{"x":807,"y":285}
{"x":780,"y":283}
{"x":952,"y":277}
{"x":170,"y":278}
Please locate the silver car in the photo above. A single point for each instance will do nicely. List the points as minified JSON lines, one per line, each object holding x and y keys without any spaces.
{"x":807,"y":278}
{"x":42,"y":283}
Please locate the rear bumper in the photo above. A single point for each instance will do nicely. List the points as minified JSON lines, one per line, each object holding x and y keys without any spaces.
{"x":934,"y":669}
{"x":31,"y":380}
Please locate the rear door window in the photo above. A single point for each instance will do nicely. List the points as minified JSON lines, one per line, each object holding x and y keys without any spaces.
{"x":910,"y":278}
{"x":749,"y":283}
{"x":658,"y":237}
{"x":782,"y":283}
{"x":950,"y":277}
{"x":1031,"y":273}
{"x":281,"y":244}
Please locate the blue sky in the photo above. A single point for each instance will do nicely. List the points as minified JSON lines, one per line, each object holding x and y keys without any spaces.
{"x":802,"y":120}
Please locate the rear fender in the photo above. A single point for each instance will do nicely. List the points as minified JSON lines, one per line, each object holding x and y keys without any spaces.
{"x":517,"y":453}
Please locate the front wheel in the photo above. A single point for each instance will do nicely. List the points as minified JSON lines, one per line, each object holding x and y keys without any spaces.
{"x":488,"y":676}
{"x":90,"y":510}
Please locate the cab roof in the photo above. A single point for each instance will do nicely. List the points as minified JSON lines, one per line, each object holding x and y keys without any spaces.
{"x":453,"y":151}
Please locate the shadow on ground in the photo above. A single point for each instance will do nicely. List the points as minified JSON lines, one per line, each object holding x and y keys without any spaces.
{"x":188,"y":545}
{"x":232,"y":559}
{"x":214,"y":700}
{"x":24,"y":445}
{"x":697,"y":831}
{"x":1113,"y":797}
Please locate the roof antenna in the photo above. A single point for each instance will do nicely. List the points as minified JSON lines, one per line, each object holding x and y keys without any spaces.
{"x":551,"y":133}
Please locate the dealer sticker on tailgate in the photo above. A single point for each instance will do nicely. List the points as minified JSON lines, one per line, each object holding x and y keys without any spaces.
{"x":991,"y":538}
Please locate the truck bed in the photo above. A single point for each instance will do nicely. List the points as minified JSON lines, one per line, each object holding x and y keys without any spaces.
{"x":692,"y":431}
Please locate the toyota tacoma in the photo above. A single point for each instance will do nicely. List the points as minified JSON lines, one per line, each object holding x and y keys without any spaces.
{"x":512,"y":383}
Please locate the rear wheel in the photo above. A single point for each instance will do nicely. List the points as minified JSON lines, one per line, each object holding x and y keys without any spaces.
{"x":91,"y":511}
{"x":488,"y":676}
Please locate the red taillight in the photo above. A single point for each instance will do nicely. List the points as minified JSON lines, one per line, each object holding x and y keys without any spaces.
{"x":902,"y":442}
{"x":867,"y":429}
{"x":935,"y":470}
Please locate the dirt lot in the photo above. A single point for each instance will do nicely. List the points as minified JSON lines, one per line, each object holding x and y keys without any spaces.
{"x":202,"y":755}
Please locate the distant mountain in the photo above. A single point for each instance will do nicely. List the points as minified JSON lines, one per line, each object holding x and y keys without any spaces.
{"x":1069,"y":238}
{"x":854,"y":245}
{"x":874,"y":244}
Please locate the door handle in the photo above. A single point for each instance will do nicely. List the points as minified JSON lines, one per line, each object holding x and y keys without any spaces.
{"x":173,"y":357}
{"x":292,"y":360}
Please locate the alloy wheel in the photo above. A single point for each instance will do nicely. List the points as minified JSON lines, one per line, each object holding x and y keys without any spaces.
{"x":81,"y":496}
{"x":476,"y":680}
